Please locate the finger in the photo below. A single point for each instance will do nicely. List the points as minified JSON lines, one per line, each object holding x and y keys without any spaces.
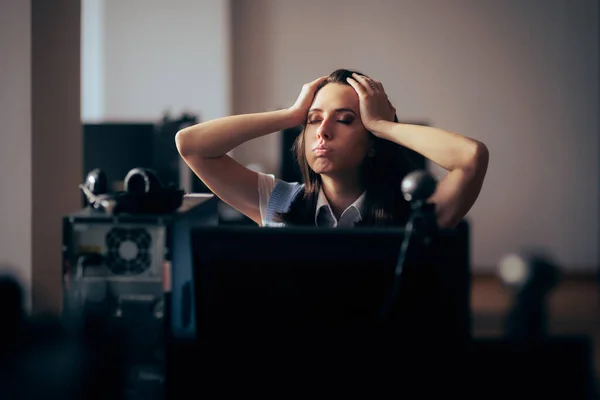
{"x":392,"y":111}
{"x":364,"y":81}
{"x":373,"y":85}
{"x":376,"y":85}
{"x":391,"y":106}
{"x":360,"y":89}
{"x":318,"y":80}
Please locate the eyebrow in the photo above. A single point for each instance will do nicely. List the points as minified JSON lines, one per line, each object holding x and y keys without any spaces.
{"x":336,"y":110}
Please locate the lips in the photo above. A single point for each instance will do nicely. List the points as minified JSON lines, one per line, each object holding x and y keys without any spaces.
{"x":321,"y":149}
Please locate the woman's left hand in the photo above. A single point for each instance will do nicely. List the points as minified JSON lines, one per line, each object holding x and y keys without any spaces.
{"x":374,"y":103}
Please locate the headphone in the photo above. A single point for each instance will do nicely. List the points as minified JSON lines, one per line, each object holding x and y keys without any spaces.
{"x":142,"y":180}
{"x":144,"y":193}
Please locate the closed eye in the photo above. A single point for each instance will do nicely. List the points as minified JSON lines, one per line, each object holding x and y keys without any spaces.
{"x":341,"y":121}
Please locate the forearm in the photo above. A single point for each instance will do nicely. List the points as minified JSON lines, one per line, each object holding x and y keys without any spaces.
{"x":448,"y":150}
{"x":217,"y":137}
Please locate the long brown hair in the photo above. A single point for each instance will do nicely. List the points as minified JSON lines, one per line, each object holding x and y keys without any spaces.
{"x":382,"y":175}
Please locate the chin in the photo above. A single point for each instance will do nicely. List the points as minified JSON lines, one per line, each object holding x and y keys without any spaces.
{"x":323,"y":166}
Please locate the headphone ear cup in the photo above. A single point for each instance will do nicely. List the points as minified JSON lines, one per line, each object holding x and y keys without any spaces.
{"x":145,"y":193}
{"x":96,"y":182}
{"x":137,"y":181}
{"x":141,"y":181}
{"x":155,"y":183}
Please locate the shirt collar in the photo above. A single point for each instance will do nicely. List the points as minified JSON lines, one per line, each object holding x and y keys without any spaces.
{"x":323,"y":202}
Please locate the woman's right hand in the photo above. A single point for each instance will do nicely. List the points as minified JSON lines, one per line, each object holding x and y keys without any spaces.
{"x":302,"y":105}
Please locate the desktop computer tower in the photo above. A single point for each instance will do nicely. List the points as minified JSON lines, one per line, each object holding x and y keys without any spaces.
{"x":118,"y":272}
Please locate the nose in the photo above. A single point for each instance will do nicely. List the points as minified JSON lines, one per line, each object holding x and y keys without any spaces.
{"x":325,"y":130}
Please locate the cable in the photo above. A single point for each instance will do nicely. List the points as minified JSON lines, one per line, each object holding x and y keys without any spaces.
{"x":408,"y":232}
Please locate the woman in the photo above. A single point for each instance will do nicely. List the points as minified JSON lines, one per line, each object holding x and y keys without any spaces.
{"x":352,"y":154}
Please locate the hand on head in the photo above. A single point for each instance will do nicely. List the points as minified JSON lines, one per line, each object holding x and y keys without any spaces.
{"x":374,"y":103}
{"x":305,"y":99}
{"x":373,"y":100}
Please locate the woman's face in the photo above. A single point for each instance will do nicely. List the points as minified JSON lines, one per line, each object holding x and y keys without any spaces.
{"x":335,"y":140}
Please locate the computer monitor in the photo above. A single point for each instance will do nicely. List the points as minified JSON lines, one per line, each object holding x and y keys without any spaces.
{"x":116,"y":148}
{"x":267,"y":280}
{"x":272,"y":305}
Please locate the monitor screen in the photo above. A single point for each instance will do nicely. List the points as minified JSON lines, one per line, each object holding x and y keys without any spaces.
{"x":271,"y":305}
{"x":116,"y":148}
{"x":281,"y":281}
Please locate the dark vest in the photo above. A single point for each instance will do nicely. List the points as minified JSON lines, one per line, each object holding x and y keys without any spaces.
{"x":280,"y":201}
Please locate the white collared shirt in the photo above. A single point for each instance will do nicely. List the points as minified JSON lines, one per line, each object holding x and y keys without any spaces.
{"x":324,"y":216}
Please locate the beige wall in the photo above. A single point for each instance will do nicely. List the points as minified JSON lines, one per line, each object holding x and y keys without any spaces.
{"x":40,"y":140}
{"x":519,"y":75}
{"x":56,"y":140}
{"x":144,"y":57}
{"x":15,"y":139}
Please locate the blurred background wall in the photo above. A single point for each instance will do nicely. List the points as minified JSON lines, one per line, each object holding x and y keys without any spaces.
{"x":519,"y":75}
{"x":141,"y":58}
{"x":40,"y":140}
{"x":15,"y":138}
